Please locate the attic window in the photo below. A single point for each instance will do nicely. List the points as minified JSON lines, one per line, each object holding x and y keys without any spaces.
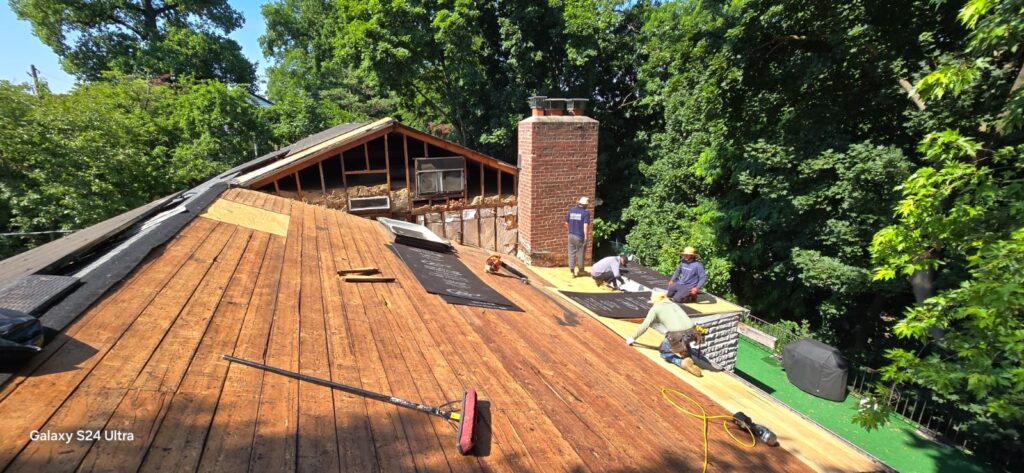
{"x":439,"y":176}
{"x":358,"y":204}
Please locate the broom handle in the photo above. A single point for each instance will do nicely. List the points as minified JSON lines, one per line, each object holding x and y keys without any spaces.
{"x":344,"y":387}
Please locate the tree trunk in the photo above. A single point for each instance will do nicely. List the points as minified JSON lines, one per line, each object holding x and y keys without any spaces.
{"x":923,"y":284}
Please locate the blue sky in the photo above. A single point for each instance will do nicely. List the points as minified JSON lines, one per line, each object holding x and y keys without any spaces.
{"x":22,"y":48}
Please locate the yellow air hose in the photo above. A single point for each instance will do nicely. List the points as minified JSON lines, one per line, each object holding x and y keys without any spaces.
{"x":667,"y":394}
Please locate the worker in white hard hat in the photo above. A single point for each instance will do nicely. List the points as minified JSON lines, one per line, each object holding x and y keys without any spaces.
{"x":688,"y":279}
{"x":577,"y":223}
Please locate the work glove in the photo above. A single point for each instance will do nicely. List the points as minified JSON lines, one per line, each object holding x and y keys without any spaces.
{"x":693,"y":292}
{"x":630,"y":341}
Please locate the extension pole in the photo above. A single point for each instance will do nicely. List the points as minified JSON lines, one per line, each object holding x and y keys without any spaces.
{"x":434,"y":411}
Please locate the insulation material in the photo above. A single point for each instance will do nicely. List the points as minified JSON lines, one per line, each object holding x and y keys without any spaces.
{"x":470,"y":227}
{"x":487,"y":229}
{"x":453,"y":226}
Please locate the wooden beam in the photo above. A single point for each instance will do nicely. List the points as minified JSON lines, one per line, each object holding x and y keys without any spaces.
{"x":344,"y":181}
{"x":277,"y":190}
{"x":426,"y":152}
{"x":327,"y":153}
{"x":482,"y":183}
{"x":387,"y":162}
{"x":465,"y":182}
{"x":458,"y":149}
{"x":323,"y":185}
{"x":405,"y":151}
{"x":298,"y":185}
{"x":369,"y":171}
{"x":515,"y":184}
{"x":366,"y":152}
{"x":499,"y":184}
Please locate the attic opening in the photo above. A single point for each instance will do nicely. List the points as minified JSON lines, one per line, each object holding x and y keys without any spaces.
{"x":412,"y":169}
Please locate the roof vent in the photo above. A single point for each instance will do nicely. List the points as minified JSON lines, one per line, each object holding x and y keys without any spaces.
{"x":363,"y":204}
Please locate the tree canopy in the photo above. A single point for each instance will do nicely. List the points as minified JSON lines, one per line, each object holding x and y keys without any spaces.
{"x":151,"y":37}
{"x":72,"y":160}
{"x":961,"y":215}
{"x":854,"y":167}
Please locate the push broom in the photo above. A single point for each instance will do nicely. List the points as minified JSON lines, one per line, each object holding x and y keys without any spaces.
{"x":465,"y":415}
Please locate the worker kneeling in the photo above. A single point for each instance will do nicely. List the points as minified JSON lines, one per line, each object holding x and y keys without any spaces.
{"x":680,"y":331}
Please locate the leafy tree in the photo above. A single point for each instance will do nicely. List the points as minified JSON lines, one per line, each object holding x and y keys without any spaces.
{"x":781,"y":139}
{"x":72,"y":160}
{"x":311,"y":86}
{"x":151,"y":37}
{"x":462,"y":66}
{"x":962,"y":216}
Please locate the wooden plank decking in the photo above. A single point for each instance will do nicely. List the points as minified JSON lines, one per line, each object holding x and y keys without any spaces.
{"x":818,"y":448}
{"x":564,"y":393}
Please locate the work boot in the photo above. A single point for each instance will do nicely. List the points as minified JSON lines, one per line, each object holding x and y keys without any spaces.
{"x":690,"y":366}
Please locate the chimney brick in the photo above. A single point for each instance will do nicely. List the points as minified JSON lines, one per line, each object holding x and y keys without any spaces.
{"x":558,"y":165}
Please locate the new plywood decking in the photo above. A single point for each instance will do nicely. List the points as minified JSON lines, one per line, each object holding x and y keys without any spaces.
{"x":820,"y":449}
{"x":564,"y":393}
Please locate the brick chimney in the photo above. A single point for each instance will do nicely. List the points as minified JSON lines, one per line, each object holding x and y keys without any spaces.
{"x":558,"y":165}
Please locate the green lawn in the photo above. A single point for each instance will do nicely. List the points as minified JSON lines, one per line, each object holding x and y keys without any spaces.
{"x":895,"y":443}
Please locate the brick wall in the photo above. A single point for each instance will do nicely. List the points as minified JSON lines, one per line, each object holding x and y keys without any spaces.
{"x":558,"y":165}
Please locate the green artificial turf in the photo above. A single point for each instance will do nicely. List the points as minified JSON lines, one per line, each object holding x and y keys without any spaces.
{"x":896,"y":443}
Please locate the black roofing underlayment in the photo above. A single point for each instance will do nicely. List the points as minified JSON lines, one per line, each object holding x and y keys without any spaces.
{"x":34,"y":293}
{"x":443,"y":274}
{"x":618,"y":305}
{"x":116,"y":266}
{"x":98,"y":281}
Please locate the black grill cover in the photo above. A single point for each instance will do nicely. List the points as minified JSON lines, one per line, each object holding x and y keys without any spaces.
{"x":816,"y":368}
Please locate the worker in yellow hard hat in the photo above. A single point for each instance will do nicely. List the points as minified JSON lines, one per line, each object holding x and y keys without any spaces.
{"x":689,"y":277}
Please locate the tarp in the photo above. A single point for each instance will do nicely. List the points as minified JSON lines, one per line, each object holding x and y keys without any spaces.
{"x":816,"y":368}
{"x":443,"y":274}
{"x":618,"y":305}
{"x":21,"y":336}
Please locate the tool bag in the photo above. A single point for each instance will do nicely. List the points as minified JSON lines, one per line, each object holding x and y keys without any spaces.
{"x":21,"y":335}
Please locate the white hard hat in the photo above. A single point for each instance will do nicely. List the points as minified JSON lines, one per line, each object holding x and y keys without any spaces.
{"x":584,"y":200}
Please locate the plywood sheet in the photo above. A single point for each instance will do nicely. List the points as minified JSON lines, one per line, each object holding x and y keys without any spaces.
{"x":248,"y":216}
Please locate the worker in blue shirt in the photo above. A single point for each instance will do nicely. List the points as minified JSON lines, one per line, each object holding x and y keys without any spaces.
{"x":577,"y":222}
{"x":688,"y":278}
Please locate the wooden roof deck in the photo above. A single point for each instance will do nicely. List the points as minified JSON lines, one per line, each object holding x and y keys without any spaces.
{"x":822,"y":450}
{"x":564,"y":392}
